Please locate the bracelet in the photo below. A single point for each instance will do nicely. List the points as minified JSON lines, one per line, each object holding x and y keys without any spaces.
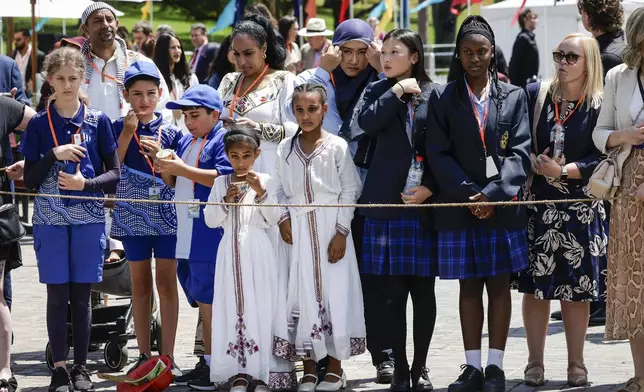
{"x":401,"y":87}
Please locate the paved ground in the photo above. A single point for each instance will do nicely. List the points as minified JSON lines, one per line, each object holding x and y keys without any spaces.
{"x":608,"y":363}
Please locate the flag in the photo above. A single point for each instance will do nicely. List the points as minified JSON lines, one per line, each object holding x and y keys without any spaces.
{"x":387,"y":16}
{"x":239,"y":13}
{"x":41,"y":23}
{"x":296,"y":9}
{"x":344,"y":8}
{"x":405,"y":14}
{"x":460,"y":5}
{"x":378,"y":10}
{"x":517,"y":14}
{"x":145,"y":10}
{"x":227,"y":17}
{"x":424,"y":4}
{"x":310,"y":10}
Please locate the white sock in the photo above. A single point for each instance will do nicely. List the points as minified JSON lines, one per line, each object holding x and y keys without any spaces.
{"x":473,"y":358}
{"x":207,"y":358}
{"x":495,"y":357}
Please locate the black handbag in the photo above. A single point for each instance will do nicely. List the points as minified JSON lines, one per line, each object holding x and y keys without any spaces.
{"x":11,"y":228}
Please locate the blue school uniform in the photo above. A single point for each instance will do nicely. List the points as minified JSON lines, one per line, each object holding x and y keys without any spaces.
{"x":145,"y":228}
{"x":469,"y":247}
{"x":69,"y":236}
{"x":196,"y":242}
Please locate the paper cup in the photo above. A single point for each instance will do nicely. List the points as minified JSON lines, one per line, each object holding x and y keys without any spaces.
{"x":164,"y":154}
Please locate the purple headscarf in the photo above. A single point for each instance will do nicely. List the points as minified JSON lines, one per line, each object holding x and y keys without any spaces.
{"x":349,"y":89}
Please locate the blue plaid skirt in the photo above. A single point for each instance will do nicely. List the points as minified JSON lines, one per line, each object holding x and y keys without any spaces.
{"x":398,"y":247}
{"x":481,"y":252}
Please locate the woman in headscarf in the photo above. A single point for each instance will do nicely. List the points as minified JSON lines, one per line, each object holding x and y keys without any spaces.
{"x":346,"y":67}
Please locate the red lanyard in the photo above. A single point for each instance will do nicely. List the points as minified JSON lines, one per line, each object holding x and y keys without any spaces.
{"x":203,"y":143}
{"x":147,"y":158}
{"x":476,"y":114}
{"x":241,"y":82}
{"x":557,"y":119}
{"x":332,"y":80}
{"x":51,"y":125}
{"x":104,"y":75}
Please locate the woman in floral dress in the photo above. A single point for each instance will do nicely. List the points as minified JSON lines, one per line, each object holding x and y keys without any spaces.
{"x":567,"y":241}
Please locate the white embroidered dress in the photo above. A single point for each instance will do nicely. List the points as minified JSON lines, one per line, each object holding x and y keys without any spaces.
{"x":267,"y":106}
{"x":324,"y":306}
{"x":249,"y":329}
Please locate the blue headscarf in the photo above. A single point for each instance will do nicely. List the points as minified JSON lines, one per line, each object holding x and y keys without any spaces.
{"x":348,"y":89}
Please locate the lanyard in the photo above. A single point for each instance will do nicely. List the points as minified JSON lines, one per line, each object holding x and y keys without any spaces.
{"x":476,"y":114}
{"x":147,"y":158}
{"x":203,"y":143}
{"x":241,"y":82}
{"x":104,"y":75}
{"x":51,"y":125}
{"x":559,"y":120}
{"x":412,"y":118}
{"x":332,"y":80}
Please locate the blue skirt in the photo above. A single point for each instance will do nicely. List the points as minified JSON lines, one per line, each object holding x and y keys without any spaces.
{"x":398,"y":247}
{"x":481,"y":253}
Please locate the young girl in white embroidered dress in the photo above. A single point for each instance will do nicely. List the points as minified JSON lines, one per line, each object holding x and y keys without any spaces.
{"x":316,"y":167}
{"x":249,"y":334}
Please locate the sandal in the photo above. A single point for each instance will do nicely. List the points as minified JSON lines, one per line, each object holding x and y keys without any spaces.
{"x":533,"y":375}
{"x":635,"y":384}
{"x":574,"y":379}
{"x":11,"y":385}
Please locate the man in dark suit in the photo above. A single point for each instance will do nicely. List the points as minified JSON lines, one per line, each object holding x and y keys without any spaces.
{"x":204,"y":51}
{"x":23,"y":56}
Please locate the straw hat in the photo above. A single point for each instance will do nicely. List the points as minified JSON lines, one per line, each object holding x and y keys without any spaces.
{"x":315,"y":27}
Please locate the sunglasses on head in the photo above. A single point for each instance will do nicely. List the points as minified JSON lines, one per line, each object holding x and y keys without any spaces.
{"x":571,"y":58}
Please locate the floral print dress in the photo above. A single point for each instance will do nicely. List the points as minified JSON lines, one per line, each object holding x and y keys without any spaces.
{"x":567,"y":241}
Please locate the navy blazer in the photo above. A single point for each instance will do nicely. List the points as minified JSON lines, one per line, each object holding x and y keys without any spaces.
{"x":457,"y":159}
{"x":384,"y":117}
{"x":206,"y":55}
{"x":11,"y":77}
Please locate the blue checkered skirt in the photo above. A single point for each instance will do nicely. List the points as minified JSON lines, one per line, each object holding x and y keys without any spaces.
{"x":481,"y":252}
{"x":398,"y":247}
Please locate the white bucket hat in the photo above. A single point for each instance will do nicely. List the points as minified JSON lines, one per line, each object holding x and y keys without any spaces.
{"x":315,"y":27}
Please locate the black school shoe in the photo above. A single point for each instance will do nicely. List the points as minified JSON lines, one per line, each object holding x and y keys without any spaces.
{"x":400,"y":381}
{"x":60,"y":381}
{"x":420,"y":380}
{"x":81,"y":379}
{"x":385,"y":372}
{"x":203,"y":383}
{"x":192,"y":375}
{"x":471,"y":380}
{"x":494,"y":379}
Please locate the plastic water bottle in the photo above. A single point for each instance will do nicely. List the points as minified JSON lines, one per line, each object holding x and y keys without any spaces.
{"x":415,"y":175}
{"x":558,"y":151}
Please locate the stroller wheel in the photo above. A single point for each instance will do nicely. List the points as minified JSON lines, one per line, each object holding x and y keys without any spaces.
{"x":155,"y":334}
{"x":115,"y":356}
{"x":49,"y":358}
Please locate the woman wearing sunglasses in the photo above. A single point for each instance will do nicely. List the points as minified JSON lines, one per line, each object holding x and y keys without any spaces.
{"x":567,"y":241}
{"x":621,"y":123}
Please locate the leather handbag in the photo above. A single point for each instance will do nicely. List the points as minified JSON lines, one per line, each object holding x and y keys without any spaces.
{"x":607,"y":176}
{"x":11,"y":228}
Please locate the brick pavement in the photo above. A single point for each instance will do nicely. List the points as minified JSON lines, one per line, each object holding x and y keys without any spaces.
{"x":608,"y":362}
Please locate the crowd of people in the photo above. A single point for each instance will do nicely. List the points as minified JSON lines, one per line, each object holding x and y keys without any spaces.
{"x":346,"y":120}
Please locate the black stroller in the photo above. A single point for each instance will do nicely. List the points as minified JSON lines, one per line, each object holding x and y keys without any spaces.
{"x":113,"y":325}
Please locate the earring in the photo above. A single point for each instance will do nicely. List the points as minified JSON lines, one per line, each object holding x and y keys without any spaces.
{"x":264,"y":55}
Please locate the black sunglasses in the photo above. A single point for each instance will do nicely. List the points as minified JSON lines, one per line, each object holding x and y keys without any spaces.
{"x":571,"y":58}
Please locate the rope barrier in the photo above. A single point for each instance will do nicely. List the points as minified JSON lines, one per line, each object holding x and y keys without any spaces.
{"x":277,"y":205}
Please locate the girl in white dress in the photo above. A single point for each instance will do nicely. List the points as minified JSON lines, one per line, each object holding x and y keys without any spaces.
{"x":324,"y":306}
{"x":249,"y":329}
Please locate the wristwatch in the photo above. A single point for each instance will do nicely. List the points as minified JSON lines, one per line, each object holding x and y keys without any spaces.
{"x":564,"y":174}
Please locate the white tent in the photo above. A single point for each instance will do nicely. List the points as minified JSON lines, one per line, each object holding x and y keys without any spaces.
{"x":555,"y":22}
{"x":63,"y":9}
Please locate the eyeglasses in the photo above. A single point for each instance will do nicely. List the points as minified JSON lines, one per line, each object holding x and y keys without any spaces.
{"x":571,"y":58}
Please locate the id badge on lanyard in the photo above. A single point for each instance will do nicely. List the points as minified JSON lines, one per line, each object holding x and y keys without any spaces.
{"x":77,"y":139}
{"x":155,"y":191}
{"x":193,"y":209}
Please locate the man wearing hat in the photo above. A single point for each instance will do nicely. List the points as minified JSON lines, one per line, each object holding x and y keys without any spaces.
{"x":107,"y":57}
{"x":316,"y":35}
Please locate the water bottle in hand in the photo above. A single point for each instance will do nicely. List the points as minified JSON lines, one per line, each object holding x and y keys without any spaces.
{"x":558,"y":150}
{"x":415,"y":175}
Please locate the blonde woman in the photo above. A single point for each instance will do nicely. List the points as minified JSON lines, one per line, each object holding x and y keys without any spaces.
{"x":621,"y":123}
{"x":567,"y":241}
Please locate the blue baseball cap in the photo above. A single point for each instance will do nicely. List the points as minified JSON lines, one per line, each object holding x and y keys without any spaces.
{"x":141,"y":68}
{"x":200,"y":95}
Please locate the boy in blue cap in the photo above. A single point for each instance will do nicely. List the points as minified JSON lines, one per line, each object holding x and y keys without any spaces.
{"x":200,"y":158}
{"x":145,"y":228}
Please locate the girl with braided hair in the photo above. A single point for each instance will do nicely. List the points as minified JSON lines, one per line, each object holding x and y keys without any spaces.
{"x":478,"y":146}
